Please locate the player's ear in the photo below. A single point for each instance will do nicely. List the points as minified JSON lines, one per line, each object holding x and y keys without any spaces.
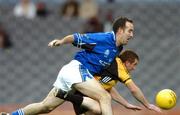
{"x":120,"y":30}
{"x":126,"y":63}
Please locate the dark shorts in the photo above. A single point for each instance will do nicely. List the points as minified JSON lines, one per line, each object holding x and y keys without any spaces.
{"x":79,"y":109}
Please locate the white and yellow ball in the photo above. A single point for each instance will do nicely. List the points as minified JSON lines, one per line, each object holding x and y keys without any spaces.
{"x":166,"y":99}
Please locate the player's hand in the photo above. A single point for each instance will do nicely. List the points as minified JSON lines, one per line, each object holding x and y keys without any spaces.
{"x":134,"y":107}
{"x":154,"y":108}
{"x":54,"y":43}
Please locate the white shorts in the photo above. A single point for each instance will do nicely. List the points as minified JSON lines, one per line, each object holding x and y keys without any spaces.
{"x":73,"y":72}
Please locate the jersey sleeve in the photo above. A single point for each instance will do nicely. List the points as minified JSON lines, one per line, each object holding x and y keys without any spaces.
{"x":84,"y":41}
{"x":123,"y":74}
{"x":90,"y":40}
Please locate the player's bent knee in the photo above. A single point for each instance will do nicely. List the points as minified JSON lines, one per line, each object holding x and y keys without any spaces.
{"x":105,"y":96}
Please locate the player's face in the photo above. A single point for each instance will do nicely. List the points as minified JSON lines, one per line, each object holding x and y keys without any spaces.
{"x":131,"y":66}
{"x":125,"y":34}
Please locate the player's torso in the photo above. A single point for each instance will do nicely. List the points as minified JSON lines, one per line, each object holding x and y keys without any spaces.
{"x":112,"y":74}
{"x":99,"y":53}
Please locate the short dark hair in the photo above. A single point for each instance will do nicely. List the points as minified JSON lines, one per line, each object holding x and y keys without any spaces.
{"x":128,"y":55}
{"x":120,"y":22}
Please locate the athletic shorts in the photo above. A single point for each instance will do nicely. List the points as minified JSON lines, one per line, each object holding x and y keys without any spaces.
{"x":77,"y":108}
{"x":73,"y":72}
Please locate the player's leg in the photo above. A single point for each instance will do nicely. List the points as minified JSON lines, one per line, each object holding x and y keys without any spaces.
{"x":90,"y":113}
{"x":93,"y":89}
{"x":91,"y":105}
{"x":87,"y":104}
{"x":46,"y":106}
{"x":77,"y":76}
{"x":49,"y":103}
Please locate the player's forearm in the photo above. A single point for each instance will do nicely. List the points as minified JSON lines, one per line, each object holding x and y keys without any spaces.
{"x":58,"y":41}
{"x":121,"y":101}
{"x":140,"y":97}
{"x":66,"y":40}
{"x":118,"y":98}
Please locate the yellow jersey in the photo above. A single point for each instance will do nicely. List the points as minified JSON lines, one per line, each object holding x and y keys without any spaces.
{"x":114,"y":73}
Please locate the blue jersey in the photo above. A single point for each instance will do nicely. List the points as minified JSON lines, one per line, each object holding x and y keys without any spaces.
{"x":99,"y":50}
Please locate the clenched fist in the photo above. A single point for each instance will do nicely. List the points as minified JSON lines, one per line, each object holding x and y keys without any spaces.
{"x":54,"y":43}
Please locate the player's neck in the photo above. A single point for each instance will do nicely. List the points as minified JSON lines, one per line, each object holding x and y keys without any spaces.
{"x":118,"y":42}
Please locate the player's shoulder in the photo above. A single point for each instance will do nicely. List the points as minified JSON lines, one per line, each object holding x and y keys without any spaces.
{"x":106,"y":37}
{"x":118,"y":60}
{"x":107,"y":34}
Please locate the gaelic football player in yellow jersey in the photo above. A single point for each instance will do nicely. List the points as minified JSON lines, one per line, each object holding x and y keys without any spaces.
{"x":118,"y":71}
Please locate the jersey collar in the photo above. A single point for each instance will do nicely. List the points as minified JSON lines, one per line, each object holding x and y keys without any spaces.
{"x":114,"y":37}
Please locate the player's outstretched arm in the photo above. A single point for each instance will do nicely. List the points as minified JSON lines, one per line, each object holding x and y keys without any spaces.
{"x":119,"y":99}
{"x":57,"y":42}
{"x":137,"y":93}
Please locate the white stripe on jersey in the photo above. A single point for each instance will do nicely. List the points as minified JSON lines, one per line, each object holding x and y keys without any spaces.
{"x":106,"y":79}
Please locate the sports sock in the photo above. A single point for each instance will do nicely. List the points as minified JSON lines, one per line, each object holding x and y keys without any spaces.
{"x":18,"y":112}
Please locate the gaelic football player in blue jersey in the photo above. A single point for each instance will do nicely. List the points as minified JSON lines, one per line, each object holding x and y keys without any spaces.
{"x":98,"y":51}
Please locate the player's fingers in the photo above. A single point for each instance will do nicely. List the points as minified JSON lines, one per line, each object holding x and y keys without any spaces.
{"x":49,"y":45}
{"x":52,"y":43}
{"x":139,"y":108}
{"x":157,"y":110}
{"x":136,"y":108}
